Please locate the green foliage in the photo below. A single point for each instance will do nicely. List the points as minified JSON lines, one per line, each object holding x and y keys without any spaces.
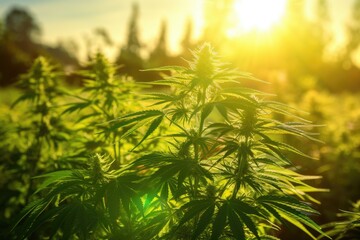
{"x":338,"y":159}
{"x":87,"y":203}
{"x":44,"y":132}
{"x":349,"y":227}
{"x":104,"y":97}
{"x":32,"y":138}
{"x":203,"y":160}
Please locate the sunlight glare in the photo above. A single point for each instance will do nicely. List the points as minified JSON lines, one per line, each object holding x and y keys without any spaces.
{"x":257,"y":15}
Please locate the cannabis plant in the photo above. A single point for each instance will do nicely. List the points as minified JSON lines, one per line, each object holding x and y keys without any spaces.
{"x":32,"y":136}
{"x":44,"y":130}
{"x":348,"y":227}
{"x":104,"y":97}
{"x":218,"y":170}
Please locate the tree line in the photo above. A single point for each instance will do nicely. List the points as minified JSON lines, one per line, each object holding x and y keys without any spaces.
{"x":296,"y":49}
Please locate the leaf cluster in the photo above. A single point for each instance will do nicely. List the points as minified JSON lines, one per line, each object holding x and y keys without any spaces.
{"x":204,"y":160}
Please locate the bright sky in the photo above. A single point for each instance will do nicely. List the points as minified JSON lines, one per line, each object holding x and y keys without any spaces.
{"x":75,"y":19}
{"x":65,"y":19}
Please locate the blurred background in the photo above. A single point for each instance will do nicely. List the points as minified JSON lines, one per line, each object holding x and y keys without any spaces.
{"x":307,"y":49}
{"x":289,"y":40}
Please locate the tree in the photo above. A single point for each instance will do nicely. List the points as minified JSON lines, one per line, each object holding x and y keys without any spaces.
{"x":309,"y":34}
{"x":216,"y":18}
{"x":159,"y":55}
{"x":18,"y":44}
{"x":97,"y":42}
{"x":133,"y":43}
{"x":21,"y":27}
{"x":1,"y":29}
{"x":130,"y":55}
{"x":353,"y":34}
{"x":187,"y":43}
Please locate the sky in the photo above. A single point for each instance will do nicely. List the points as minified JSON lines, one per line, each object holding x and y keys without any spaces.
{"x":76,"y":19}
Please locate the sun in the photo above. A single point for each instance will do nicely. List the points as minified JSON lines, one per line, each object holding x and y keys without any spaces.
{"x":257,"y":15}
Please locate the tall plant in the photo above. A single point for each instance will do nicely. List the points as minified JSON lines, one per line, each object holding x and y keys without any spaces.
{"x":32,"y":137}
{"x":220,"y":171}
{"x":104,"y":97}
{"x":346,"y":228}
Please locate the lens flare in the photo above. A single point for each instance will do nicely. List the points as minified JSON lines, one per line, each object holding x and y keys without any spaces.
{"x":257,"y":15}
